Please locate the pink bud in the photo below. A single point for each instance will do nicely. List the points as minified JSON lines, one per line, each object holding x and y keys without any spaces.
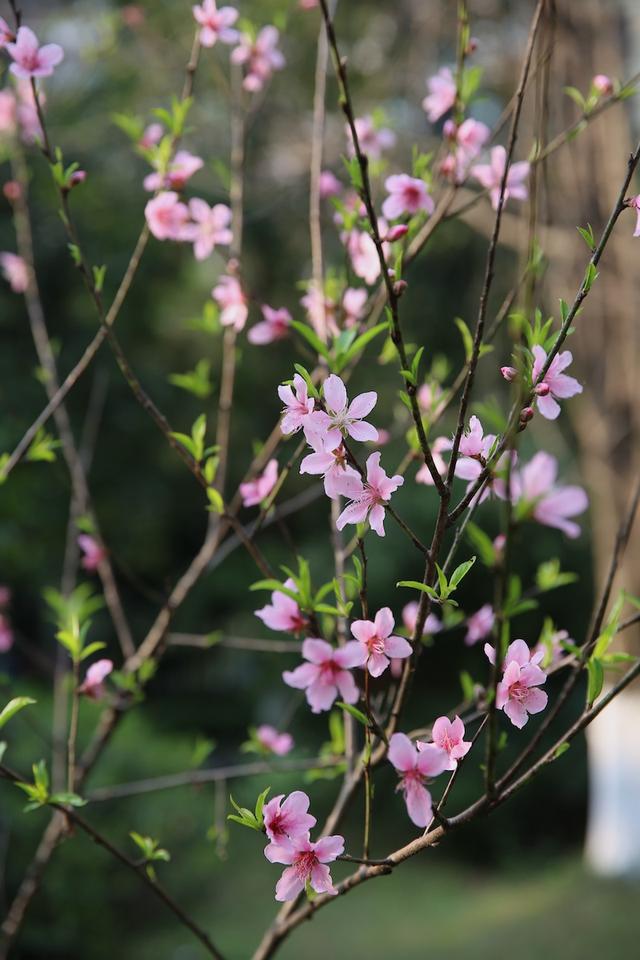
{"x":509,"y":373}
{"x":395,"y":233}
{"x":499,"y":543}
{"x":526,"y":414}
{"x":399,"y":287}
{"x":541,"y":389}
{"x":472,"y":46}
{"x":12,"y":190}
{"x":448,"y":167}
{"x":450,"y":129}
{"x":603,"y":84}
{"x":77,"y":178}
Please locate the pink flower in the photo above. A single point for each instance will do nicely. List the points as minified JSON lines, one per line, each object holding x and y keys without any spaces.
{"x":93,"y":686}
{"x":6,"y":33}
{"x":634,"y":203}
{"x":378,"y":644}
{"x":554,"y":384}
{"x":181,"y":168}
{"x":167,"y":217}
{"x":321,"y":311}
{"x":517,"y":692}
{"x":331,"y":463}
{"x":428,"y":396}
{"x":14,"y":270}
{"x":215,"y":24}
{"x":255,"y":491}
{"x":449,"y":736}
{"x":29,"y":58}
{"x":534,"y":485}
{"x":490,"y":177}
{"x":373,"y":140}
{"x":342,"y":418}
{"x":5,"y":596}
{"x":410,"y":619}
{"x":509,"y":373}
{"x":353,"y":304}
{"x":261,"y":57}
{"x":298,"y":405}
{"x":279,"y":743}
{"x":27,"y":112}
{"x":438,"y":447}
{"x":210,"y":227}
{"x":283,"y":613}
{"x":287,"y":820}
{"x":442,"y":94}
{"x":232,"y":302}
{"x":151,"y":135}
{"x":414,"y":767}
{"x":552,"y":651}
{"x":363,"y":254}
{"x":275,"y":326}
{"x":479,"y":625}
{"x":326,"y":674}
{"x":6,"y":635}
{"x":94,"y":552}
{"x":306,"y":864}
{"x":602,"y":84}
{"x":329,"y":185}
{"x":371,"y":497}
{"x":471,"y":137}
{"x":407,"y":196}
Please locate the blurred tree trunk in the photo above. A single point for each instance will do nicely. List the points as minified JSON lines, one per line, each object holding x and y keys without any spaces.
{"x":590,"y":38}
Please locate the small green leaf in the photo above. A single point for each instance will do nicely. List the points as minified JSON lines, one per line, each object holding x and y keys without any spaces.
{"x":13,"y":707}
{"x":560,"y":750}
{"x":354,"y":712}
{"x":596,"y":680}
{"x":311,"y":337}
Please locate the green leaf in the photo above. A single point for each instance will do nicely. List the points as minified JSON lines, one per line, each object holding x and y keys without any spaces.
{"x":576,"y":96}
{"x":417,"y":585}
{"x":13,"y":707}
{"x":311,"y":337}
{"x":560,"y":750}
{"x":591,"y":274}
{"x":596,"y":680}
{"x":260,"y":804}
{"x":306,"y":376}
{"x":467,"y":339}
{"x":359,"y":345}
{"x":277,"y":586}
{"x":354,"y":712}
{"x":196,"y":382}
{"x":215,"y":499}
{"x":460,"y":572}
{"x":587,"y":235}
{"x":91,"y":648}
{"x":482,"y":543}
{"x":68,"y":799}
{"x":468,"y":686}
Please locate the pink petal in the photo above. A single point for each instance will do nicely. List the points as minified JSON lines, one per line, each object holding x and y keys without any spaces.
{"x":377,"y":664}
{"x":418,"y":800}
{"x":402,"y":753}
{"x":335,"y":393}
{"x":397,"y":647}
{"x":328,"y":848}
{"x":432,"y":760}
{"x":362,"y":431}
{"x":363,"y":404}
{"x":384,"y":622}
{"x":321,"y":879}
{"x":289,"y":885}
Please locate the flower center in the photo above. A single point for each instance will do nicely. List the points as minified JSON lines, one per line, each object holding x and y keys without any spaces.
{"x":305,"y":864}
{"x":375,"y":644}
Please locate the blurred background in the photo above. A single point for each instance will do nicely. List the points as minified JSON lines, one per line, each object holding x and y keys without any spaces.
{"x":515,"y":881}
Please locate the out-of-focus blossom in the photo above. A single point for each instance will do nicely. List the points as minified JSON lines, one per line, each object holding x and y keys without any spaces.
{"x":15,"y":272}
{"x":181,"y":169}
{"x":438,"y":447}
{"x":6,"y":635}
{"x":369,"y":501}
{"x":329,"y":185}
{"x":373,"y":140}
{"x":8,"y":115}
{"x":229,"y":296}
{"x":634,"y":203}
{"x":353,"y":304}
{"x":490,"y":177}
{"x":167,"y":217}
{"x":558,"y":385}
{"x":255,"y":491}
{"x":410,"y":617}
{"x":6,"y":33}
{"x":151,"y":135}
{"x":5,"y":596}
{"x":93,"y":685}
{"x":534,"y":486}
{"x":363,"y":254}
{"x":283,"y":613}
{"x":442,"y":94}
{"x":215,"y":24}
{"x":270,"y":739}
{"x":306,"y":863}
{"x":93,"y":553}
{"x":326,"y":674}
{"x":275,"y":326}
{"x":209,"y":227}
{"x":479,"y":625}
{"x":261,"y":57}
{"x":407,"y":196}
{"x":132,"y":15}
{"x":27,"y":112}
{"x":30,"y":60}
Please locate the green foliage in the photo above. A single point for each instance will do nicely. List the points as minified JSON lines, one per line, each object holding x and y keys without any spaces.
{"x":254,"y":820}
{"x":14,"y":706}
{"x":151,"y":852}
{"x":441,"y":594}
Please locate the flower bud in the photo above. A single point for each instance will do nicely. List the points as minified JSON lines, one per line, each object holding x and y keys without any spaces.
{"x":509,"y":373}
{"x":450,"y":130}
{"x":602,"y":84}
{"x":76,"y":178}
{"x":399,"y":287}
{"x":526,"y":414}
{"x":472,"y":46}
{"x":395,"y":233}
{"x":541,"y":389}
{"x":12,"y":190}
